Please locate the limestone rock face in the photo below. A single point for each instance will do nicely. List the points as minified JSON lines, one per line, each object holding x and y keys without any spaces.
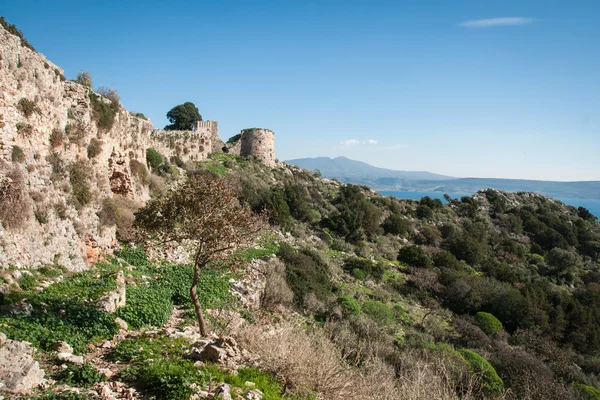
{"x":19,"y":372}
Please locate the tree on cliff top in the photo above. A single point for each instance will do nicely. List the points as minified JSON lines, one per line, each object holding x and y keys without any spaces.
{"x":183,"y":117}
{"x":205,"y":212}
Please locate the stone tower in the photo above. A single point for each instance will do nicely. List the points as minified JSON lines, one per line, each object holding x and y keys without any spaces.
{"x":259,"y":143}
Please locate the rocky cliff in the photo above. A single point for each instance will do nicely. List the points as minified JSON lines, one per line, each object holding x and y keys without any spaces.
{"x":64,"y":150}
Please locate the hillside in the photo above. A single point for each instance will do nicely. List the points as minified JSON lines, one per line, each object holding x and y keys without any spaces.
{"x":347,"y":170}
{"x":359,"y":173}
{"x":127,"y":273}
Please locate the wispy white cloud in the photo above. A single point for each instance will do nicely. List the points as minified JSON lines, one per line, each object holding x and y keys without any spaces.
{"x":354,"y":142}
{"x":493,"y":22}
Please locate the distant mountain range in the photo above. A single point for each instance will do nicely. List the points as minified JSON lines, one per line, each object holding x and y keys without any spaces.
{"x":360,"y":173}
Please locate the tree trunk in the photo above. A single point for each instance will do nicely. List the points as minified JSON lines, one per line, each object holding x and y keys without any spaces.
{"x":197,"y":306}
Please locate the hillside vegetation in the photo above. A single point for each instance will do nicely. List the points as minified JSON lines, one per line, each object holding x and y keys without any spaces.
{"x":363,"y":297}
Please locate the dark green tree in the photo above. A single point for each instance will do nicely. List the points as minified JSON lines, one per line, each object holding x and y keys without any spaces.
{"x":183,"y":117}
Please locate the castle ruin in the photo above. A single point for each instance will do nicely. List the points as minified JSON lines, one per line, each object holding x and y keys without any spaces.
{"x":198,"y":144}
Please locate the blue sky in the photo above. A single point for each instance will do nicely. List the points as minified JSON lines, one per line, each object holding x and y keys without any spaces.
{"x":507,"y":89}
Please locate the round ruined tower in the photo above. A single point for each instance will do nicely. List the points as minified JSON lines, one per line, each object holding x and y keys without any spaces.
{"x":259,"y":143}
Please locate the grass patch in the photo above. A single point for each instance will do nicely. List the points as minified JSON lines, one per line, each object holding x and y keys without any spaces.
{"x":165,"y":379}
{"x":81,"y":375}
{"x":63,"y":311}
{"x":143,"y":348}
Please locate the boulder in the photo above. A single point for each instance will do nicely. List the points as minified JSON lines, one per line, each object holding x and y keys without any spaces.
{"x":19,"y":372}
{"x":122,"y":324}
{"x":114,"y":300}
{"x":62,"y":347}
{"x":70,"y":358}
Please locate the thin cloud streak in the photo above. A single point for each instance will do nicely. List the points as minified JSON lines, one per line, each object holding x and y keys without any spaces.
{"x":494,"y":22}
{"x":354,"y":142}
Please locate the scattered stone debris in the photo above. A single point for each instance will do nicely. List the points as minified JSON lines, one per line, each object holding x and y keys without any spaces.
{"x":19,"y":372}
{"x":223,"y":351}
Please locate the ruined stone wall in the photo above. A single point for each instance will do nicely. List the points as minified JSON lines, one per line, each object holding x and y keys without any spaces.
{"x":187,"y":145}
{"x":37,"y":165}
{"x":258,"y":143}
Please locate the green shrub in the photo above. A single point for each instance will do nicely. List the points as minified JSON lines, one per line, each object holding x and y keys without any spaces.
{"x":370,"y":268}
{"x":28,"y":107}
{"x":134,"y":256}
{"x":138,"y":115}
{"x":379,"y":312}
{"x":305,"y":273}
{"x":587,"y":392}
{"x":349,"y":305}
{"x":395,"y":225}
{"x":414,"y":256}
{"x":488,"y":323}
{"x":359,"y":274}
{"x":81,"y":375}
{"x":165,"y":379}
{"x":18,"y":155}
{"x":492,"y":383}
{"x":94,"y":148}
{"x":154,"y":158}
{"x":79,"y":176}
{"x":146,"y":307}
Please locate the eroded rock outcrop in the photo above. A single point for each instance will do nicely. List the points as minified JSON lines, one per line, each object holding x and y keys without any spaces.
{"x":19,"y":372}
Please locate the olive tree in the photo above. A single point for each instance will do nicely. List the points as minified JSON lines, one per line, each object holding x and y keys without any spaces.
{"x":202,"y":212}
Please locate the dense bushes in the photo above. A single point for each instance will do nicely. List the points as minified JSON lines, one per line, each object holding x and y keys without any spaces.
{"x":491,"y":382}
{"x":394,"y":224}
{"x":154,"y":158}
{"x":414,"y":256}
{"x":306,"y":273}
{"x":356,"y":216}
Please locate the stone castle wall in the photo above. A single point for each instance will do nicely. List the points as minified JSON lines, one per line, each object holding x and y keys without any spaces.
{"x":54,"y":227}
{"x":258,"y":143}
